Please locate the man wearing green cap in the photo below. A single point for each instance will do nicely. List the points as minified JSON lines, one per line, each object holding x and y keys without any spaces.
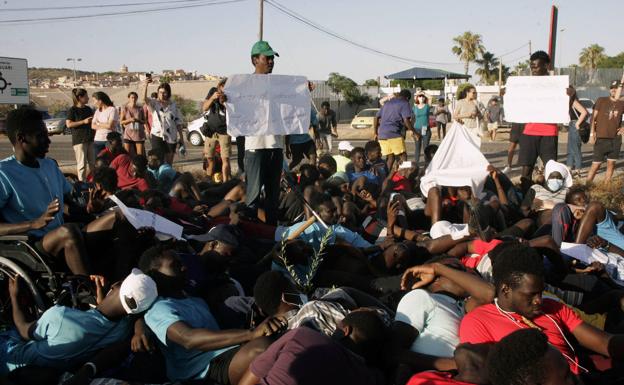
{"x":263,"y":154}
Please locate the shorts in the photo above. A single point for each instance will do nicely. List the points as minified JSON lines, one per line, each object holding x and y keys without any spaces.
{"x":129,"y":141}
{"x":608,"y":148}
{"x":492,"y":126}
{"x":533,"y":146}
{"x":220,"y":365}
{"x":306,"y":149}
{"x":225,"y":143}
{"x":393,"y":146}
{"x":159,"y":144}
{"x":516,"y":132}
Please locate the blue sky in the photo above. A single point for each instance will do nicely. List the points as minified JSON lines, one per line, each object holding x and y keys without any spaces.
{"x":217,"y":39}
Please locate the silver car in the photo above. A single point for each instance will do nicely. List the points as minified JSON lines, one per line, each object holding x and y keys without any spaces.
{"x":56,"y":125}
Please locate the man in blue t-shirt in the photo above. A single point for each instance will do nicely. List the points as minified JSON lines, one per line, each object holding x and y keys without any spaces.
{"x":32,"y":190}
{"x":162,"y":172}
{"x":394,"y":116}
{"x":188,"y":334}
{"x":64,"y":337}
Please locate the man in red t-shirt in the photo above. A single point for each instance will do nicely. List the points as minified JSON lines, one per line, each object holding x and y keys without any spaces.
{"x":518,"y":273}
{"x":540,"y":139}
{"x":131,"y":172}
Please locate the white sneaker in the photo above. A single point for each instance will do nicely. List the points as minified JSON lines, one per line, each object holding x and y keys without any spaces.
{"x":506,"y":170}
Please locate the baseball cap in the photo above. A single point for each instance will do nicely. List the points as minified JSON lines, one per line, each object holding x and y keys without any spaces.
{"x":223,"y":233}
{"x":615,"y":84}
{"x":345,"y":146}
{"x":405,"y":164}
{"x":140,"y":288}
{"x":262,"y":47}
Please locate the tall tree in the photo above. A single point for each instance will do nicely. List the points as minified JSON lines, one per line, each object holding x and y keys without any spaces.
{"x":521,"y":68}
{"x":489,"y":68}
{"x":616,"y":61}
{"x":468,"y":47}
{"x":371,"y":83}
{"x":590,"y":57}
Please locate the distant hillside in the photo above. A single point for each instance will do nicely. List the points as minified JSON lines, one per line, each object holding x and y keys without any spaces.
{"x":53,"y":73}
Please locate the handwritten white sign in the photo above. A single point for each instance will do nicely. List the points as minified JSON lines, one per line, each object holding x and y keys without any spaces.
{"x":537,"y":99}
{"x":267,"y":105}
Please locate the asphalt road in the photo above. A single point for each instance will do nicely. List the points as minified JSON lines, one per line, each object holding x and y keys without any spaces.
{"x":496,"y":152}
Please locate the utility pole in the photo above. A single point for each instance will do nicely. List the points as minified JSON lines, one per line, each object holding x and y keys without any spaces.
{"x":261,"y":24}
{"x":500,"y":76}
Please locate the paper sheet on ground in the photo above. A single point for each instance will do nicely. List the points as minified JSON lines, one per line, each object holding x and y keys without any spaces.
{"x":267,"y":105}
{"x":458,"y":162}
{"x":614,"y":263}
{"x":537,"y":99}
{"x":141,"y":218}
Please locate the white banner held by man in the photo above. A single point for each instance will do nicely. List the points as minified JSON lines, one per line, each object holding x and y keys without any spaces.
{"x":537,"y":99}
{"x":267,"y":105}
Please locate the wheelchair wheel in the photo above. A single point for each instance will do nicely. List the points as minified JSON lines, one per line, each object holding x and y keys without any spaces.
{"x":34,"y":303}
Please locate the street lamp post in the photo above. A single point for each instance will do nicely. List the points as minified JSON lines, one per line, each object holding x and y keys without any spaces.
{"x":73,"y":59}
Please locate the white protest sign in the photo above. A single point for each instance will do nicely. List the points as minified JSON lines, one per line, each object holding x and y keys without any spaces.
{"x":13,"y":81}
{"x":141,"y":218}
{"x":537,"y":99}
{"x":267,"y":105}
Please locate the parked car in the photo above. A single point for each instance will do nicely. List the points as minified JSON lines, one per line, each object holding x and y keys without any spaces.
{"x":194,"y":134}
{"x":56,"y":125}
{"x":364,"y":118}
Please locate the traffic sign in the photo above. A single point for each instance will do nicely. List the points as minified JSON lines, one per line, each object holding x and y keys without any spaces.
{"x":14,"y":81}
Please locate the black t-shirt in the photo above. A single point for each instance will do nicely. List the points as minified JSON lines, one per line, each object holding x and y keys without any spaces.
{"x":82,"y":133}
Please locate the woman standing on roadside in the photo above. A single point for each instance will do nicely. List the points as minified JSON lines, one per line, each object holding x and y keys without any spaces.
{"x":467,"y":111}
{"x":79,"y":118}
{"x":132,"y":121}
{"x":166,"y":132}
{"x":104,"y":120}
{"x":421,"y":123}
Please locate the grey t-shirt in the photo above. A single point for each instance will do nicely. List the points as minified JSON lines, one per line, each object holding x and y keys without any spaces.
{"x":495,"y":113}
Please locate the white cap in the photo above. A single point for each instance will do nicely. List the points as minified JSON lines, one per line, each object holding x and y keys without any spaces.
{"x":405,"y":164}
{"x":455,"y":230}
{"x":139,"y":287}
{"x":345,"y":146}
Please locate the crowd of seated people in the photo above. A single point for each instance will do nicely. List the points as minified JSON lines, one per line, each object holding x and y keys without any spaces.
{"x":364,"y":280}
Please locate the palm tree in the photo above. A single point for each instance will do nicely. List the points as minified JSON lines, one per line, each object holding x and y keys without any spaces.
{"x":489,"y":68}
{"x":468,"y":47}
{"x":590,"y":57}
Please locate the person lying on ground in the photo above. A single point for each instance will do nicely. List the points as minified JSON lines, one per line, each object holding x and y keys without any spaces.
{"x":65,"y":337}
{"x":519,"y":281}
{"x":304,"y":356}
{"x":188,"y":334}
{"x":426,"y":327}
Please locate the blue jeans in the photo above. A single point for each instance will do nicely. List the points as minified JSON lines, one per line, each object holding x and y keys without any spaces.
{"x":574,"y":161}
{"x":264,"y":168}
{"x":422,"y":143}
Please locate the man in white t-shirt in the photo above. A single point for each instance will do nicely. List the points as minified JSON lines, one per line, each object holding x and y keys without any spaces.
{"x":426,"y":328}
{"x":263,"y":154}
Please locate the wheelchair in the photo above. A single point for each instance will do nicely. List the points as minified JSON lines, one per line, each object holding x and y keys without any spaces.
{"x":45,"y":285}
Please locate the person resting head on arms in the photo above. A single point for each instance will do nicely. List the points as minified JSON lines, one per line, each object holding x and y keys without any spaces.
{"x":542,"y":198}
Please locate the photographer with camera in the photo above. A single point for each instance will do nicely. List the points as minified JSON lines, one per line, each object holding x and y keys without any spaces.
{"x":215,"y":130}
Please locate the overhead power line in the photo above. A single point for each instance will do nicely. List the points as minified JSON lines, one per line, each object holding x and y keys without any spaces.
{"x":133,"y":12}
{"x":69,"y":7}
{"x":514,"y":50}
{"x":335,"y":35}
